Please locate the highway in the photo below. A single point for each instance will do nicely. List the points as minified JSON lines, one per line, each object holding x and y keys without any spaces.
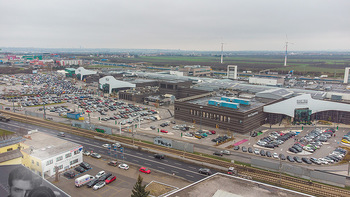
{"x":138,"y":158}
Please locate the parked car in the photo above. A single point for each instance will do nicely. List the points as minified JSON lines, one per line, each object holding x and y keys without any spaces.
{"x":297,"y":159}
{"x":113,"y":163}
{"x":69,"y":174}
{"x":262,"y":153}
{"x":86,"y":153}
{"x":282,"y":156}
{"x":61,"y":134}
{"x":104,"y":177}
{"x":275,"y":156}
{"x":92,"y":183}
{"x":268,"y":154}
{"x":110,"y":179}
{"x":250,"y":150}
{"x":289,"y":158}
{"x":123,"y":166}
{"x":244,"y":149}
{"x":85,"y":165}
{"x":145,"y":170}
{"x":106,"y":145}
{"x":256,"y":151}
{"x":204,"y":171}
{"x":163,"y":131}
{"x":96,"y":155}
{"x":236,"y":148}
{"x":99,"y":185}
{"x":79,"y":169}
{"x":212,"y":131}
{"x":98,"y":175}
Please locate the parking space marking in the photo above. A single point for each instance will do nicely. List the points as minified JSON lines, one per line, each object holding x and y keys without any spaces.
{"x":161,"y":167}
{"x":175,"y":171}
{"x":178,"y":163}
{"x":147,"y":164}
{"x":192,"y":167}
{"x":189,"y":175}
{"x":139,"y":153}
{"x":166,"y":161}
{"x":135,"y":160}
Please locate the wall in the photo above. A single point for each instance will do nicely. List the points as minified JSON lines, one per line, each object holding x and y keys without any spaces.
{"x":13,"y":146}
{"x":12,"y":162}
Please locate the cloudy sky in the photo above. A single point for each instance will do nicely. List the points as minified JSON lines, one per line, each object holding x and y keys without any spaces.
{"x":176,"y":24}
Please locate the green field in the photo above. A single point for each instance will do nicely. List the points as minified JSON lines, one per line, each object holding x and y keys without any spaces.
{"x":332,"y":64}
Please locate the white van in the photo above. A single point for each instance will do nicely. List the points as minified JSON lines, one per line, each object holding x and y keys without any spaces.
{"x":83,"y":180}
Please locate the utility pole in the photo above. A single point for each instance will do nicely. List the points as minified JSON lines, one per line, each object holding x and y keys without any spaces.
{"x":13,"y":105}
{"x":44,"y":112}
{"x":200,"y":124}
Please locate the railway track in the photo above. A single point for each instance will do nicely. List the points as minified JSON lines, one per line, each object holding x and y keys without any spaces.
{"x":282,"y":180}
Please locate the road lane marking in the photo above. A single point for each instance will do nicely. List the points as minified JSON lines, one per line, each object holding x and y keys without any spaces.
{"x":189,"y":175}
{"x":177,"y":163}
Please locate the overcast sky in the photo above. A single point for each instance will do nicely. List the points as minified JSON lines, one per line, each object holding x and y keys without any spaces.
{"x":176,"y":24}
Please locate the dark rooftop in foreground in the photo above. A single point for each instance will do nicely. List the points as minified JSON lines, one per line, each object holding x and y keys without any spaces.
{"x":223,"y":185}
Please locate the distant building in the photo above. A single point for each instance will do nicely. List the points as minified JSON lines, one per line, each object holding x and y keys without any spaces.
{"x":196,"y":71}
{"x":69,"y":62}
{"x":232,"y":71}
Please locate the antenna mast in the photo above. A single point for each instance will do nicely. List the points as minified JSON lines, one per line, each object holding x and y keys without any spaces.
{"x":222,"y":53}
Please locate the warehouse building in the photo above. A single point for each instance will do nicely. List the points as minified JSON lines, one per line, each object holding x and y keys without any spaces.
{"x":81,"y":73}
{"x":229,"y":113}
{"x":304,"y":109}
{"x":108,"y":84}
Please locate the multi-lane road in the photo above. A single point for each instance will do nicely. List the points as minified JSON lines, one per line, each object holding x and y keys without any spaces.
{"x":138,"y":158}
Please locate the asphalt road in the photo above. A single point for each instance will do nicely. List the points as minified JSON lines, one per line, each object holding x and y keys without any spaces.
{"x":168,"y":165}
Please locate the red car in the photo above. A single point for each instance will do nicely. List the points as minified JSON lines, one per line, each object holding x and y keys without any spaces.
{"x":145,"y":170}
{"x":212,"y":131}
{"x":163,"y":131}
{"x":110,"y":179}
{"x":88,"y":111}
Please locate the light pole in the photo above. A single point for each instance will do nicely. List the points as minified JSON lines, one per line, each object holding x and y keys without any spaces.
{"x":200,"y":122}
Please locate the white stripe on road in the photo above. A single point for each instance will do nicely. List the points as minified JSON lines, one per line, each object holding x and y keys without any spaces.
{"x":177,"y":163}
{"x":189,"y":175}
{"x":135,"y":160}
{"x":161,"y":168}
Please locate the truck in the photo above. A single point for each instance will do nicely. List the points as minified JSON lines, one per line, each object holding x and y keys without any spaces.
{"x":4,"y":118}
{"x":83,"y":180}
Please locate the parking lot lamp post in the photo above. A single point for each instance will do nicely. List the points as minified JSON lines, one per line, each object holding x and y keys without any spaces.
{"x":200,"y":123}
{"x":13,"y":106}
{"x":280,"y":169}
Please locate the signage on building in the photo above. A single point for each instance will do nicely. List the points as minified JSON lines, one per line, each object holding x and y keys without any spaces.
{"x":253,"y":114}
{"x":302,"y":101}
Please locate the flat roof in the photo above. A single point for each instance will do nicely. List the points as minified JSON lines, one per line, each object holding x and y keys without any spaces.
{"x":46,"y":146}
{"x":204,"y":102}
{"x":227,"y":185}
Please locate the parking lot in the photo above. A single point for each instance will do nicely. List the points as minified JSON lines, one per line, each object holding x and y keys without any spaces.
{"x":122,"y":186}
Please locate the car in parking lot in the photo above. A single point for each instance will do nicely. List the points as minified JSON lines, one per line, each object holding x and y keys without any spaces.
{"x":113,"y":163}
{"x":99,"y":185}
{"x":282,"y":157}
{"x":92,"y":183}
{"x":268,"y":154}
{"x":79,"y":169}
{"x":123,"y":166}
{"x":61,"y":134}
{"x":256,"y":151}
{"x":117,"y":145}
{"x":105,"y":176}
{"x":289,"y":158}
{"x":96,"y":155}
{"x":110,"y":179}
{"x":145,"y":170}
{"x":275,"y":156}
{"x":69,"y":174}
{"x":297,"y":159}
{"x":99,"y":174}
{"x":250,"y":150}
{"x":306,"y":160}
{"x":86,"y":153}
{"x":106,"y":145}
{"x":244,"y":149}
{"x":85,"y":165}
{"x":205,"y":171}
{"x":236,"y":148}
{"x":262,"y":153}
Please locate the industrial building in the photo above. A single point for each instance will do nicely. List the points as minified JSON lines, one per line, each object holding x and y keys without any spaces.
{"x":196,"y":71}
{"x":109,"y":84}
{"x":81,"y":73}
{"x":303,"y":109}
{"x":69,"y":62}
{"x":219,"y":111}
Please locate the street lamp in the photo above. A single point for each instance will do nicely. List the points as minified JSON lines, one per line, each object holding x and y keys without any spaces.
{"x":200,"y":122}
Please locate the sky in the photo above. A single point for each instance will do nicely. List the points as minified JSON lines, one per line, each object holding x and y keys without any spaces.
{"x":242,"y":25}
